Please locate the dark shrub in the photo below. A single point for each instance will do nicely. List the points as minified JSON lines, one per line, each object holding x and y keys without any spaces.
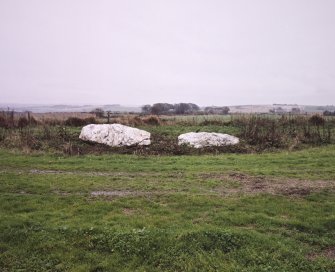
{"x":136,"y":121}
{"x":3,"y":122}
{"x":75,"y":122}
{"x":90,"y":120}
{"x":78,"y":122}
{"x":316,"y":120}
{"x":23,"y":122}
{"x":152,"y":120}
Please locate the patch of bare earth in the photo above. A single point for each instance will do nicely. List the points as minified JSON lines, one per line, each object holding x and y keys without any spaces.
{"x":328,"y":253}
{"x":103,"y":174}
{"x":128,"y":193}
{"x":86,"y":173}
{"x":128,"y":211}
{"x":246,"y":184}
{"x":117,"y":193}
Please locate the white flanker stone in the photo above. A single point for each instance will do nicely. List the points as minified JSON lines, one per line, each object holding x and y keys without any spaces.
{"x":204,"y":139}
{"x":115,"y":135}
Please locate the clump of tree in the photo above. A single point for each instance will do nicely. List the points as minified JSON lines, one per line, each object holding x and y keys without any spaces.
{"x":329,"y":113}
{"x":186,"y":108}
{"x":296,"y":111}
{"x":217,"y":110}
{"x":166,"y":108}
{"x":162,"y":108}
{"x":277,"y":110}
{"x":99,"y":112}
{"x":146,"y":109}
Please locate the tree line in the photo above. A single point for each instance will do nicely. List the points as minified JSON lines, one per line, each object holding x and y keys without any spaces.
{"x":181,"y":108}
{"x":329,"y":113}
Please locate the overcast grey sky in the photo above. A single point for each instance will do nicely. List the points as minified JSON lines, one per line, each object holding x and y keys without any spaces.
{"x":210,"y":52}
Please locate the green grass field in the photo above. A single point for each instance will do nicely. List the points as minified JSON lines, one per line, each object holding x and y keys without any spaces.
{"x":228,"y":212}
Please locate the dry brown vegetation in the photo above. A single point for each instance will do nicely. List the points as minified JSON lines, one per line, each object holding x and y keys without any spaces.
{"x":30,"y":132}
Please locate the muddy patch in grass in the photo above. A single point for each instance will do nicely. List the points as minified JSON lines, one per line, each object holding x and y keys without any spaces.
{"x":117,"y":193}
{"x":91,"y":173}
{"x":246,"y":184}
{"x":129,"y":211}
{"x":129,"y":193}
{"x":328,"y":253}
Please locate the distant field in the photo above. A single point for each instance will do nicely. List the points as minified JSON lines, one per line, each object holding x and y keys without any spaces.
{"x":268,"y":212}
{"x":196,"y":119}
{"x":61,"y":115}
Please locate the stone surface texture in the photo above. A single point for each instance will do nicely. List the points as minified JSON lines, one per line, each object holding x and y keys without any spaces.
{"x":206,"y":139}
{"x":115,"y":135}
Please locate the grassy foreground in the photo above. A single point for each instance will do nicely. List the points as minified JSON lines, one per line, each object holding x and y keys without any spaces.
{"x":231,"y":212}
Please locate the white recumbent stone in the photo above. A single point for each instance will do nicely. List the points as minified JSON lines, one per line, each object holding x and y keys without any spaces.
{"x":115,"y":135}
{"x":206,"y":139}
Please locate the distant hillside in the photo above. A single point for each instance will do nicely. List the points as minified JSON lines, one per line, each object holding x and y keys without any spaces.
{"x":264,"y":108}
{"x":68,"y":108}
{"x":279,"y":108}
